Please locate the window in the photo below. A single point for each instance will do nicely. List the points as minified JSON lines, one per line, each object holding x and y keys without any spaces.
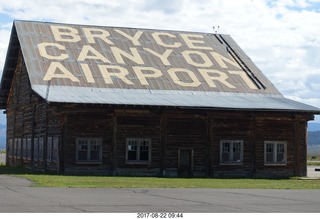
{"x":29,"y":143}
{"x":275,"y":152}
{"x":138,"y":150}
{"x":89,"y":150}
{"x":24,"y":148}
{"x":35,"y":149}
{"x":17,"y":143}
{"x":49,"y":149}
{"x":40,"y":155}
{"x":10,"y":148}
{"x":231,"y":152}
{"x":55,"y":149}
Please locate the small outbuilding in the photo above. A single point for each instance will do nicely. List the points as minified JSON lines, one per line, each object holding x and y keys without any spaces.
{"x":124,"y":101}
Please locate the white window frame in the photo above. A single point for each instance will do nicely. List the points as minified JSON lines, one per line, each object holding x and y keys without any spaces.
{"x":276,"y":146}
{"x":91,"y":143}
{"x":233,"y":144}
{"x":140,"y":146}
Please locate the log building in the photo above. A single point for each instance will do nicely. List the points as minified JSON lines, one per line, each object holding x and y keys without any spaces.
{"x":122,"y":101}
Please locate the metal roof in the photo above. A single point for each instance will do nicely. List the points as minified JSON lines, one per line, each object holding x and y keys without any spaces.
{"x":197,"y":99}
{"x":70,"y":63}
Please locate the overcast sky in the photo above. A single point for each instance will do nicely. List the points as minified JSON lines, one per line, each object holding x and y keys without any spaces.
{"x":282,"y":37}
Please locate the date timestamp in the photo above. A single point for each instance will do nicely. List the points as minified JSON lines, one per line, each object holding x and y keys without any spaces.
{"x":159,"y":215}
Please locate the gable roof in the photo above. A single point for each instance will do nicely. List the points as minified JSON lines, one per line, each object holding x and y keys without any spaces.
{"x":69,"y":63}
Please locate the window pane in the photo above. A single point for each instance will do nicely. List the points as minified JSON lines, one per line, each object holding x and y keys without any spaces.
{"x":237,"y":147}
{"x":82,"y":149}
{"x":225,"y":157}
{"x":280,"y":148}
{"x":95,"y":155}
{"x":280,"y":157}
{"x":144,"y":150}
{"x":280,"y":153}
{"x":269,"y":148}
{"x":95,"y":149}
{"x":237,"y":157}
{"x":132,"y":155}
{"x":144,"y":155}
{"x":82,"y":155}
{"x":269,"y":157}
{"x":226,"y":147}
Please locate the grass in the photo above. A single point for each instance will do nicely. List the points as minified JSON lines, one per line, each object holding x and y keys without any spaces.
{"x":313,"y":163}
{"x":47,"y":180}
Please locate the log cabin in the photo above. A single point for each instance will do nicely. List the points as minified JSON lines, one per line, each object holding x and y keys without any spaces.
{"x":102,"y":100}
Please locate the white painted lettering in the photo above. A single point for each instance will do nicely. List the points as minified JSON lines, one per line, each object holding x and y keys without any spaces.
{"x":84,"y":54}
{"x":204,"y":63}
{"x":87,"y":73}
{"x":163,"y":57}
{"x":65,"y":34}
{"x":194,"y":80}
{"x":220,"y":59}
{"x":157,"y":37}
{"x":92,"y":33}
{"x":135,"y":57}
{"x":194,"y":43}
{"x":134,"y":39}
{"x":42,"y":47}
{"x":112,"y":71}
{"x":245,"y":78}
{"x":212,"y":75}
{"x":56,"y":67}
{"x":142,"y":76}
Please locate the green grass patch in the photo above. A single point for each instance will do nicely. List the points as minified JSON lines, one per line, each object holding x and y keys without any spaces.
{"x":313,"y":163}
{"x":47,"y":180}
{"x":154,"y":182}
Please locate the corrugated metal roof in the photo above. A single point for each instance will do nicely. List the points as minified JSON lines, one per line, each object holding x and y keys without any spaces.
{"x":171,"y":98}
{"x":110,"y":57}
{"x":114,"y":65}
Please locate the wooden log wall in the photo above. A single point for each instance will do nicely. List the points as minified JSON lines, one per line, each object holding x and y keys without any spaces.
{"x":232,"y":126}
{"x":185,"y":131}
{"x":87,"y":125}
{"x":27,"y":119}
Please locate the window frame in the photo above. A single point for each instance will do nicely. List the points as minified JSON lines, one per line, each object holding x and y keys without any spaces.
{"x":231,"y":152}
{"x":138,"y":151}
{"x":88,"y":150}
{"x":275,"y":153}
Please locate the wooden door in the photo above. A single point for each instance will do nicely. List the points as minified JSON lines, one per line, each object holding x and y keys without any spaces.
{"x":185,"y":162}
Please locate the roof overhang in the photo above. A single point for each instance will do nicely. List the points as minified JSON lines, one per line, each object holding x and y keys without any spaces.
{"x":193,"y":99}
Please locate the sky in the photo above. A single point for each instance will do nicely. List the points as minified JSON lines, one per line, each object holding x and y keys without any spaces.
{"x":282,"y":37}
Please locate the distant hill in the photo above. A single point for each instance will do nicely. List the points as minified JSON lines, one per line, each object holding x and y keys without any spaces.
{"x":314,"y":138}
{"x":313,"y":127}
